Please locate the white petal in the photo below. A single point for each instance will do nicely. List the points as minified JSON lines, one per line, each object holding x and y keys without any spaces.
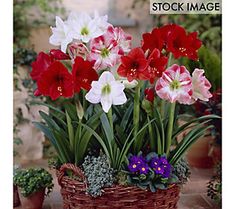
{"x":106,"y":102}
{"x":106,"y":77}
{"x":92,"y":97}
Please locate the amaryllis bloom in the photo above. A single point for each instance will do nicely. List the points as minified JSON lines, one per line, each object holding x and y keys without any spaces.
{"x":134,"y":65}
{"x":77,"y":49}
{"x":175,"y":85}
{"x":83,"y":74}
{"x":41,"y":64}
{"x":123,"y":39}
{"x":201,"y":86}
{"x":156,"y":65}
{"x":101,"y":21}
{"x":62,"y":35}
{"x":152,"y":40}
{"x":84,"y":28}
{"x":104,"y":52}
{"x":182,"y":44}
{"x":58,"y":54}
{"x":56,"y":81}
{"x":161,"y":166}
{"x":149,"y":94}
{"x":106,"y":91}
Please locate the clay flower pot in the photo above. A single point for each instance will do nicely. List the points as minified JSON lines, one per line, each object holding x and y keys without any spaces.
{"x":33,"y":201}
{"x":198,"y":154}
{"x":16,"y":198}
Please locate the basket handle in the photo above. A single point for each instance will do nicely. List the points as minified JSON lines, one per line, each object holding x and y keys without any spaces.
{"x":76,"y":170}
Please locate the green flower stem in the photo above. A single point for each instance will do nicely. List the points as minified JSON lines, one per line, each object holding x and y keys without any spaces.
{"x":163,"y":102}
{"x":170,"y":127}
{"x":136,"y":113}
{"x":110,"y":117}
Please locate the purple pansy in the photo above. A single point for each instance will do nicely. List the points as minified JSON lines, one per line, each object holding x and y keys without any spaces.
{"x":161,"y":166}
{"x":138,"y":164}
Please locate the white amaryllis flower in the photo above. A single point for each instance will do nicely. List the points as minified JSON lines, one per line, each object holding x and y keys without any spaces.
{"x":61,"y":34}
{"x":85,"y":28}
{"x":106,"y":91}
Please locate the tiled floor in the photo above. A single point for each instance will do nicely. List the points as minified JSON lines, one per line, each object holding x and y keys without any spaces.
{"x":193,"y":194}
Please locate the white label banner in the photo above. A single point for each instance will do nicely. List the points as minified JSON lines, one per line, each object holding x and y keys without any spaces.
{"x":185,"y":7}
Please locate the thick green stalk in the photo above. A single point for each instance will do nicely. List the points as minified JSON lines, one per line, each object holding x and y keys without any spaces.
{"x":170,"y":127}
{"x":136,"y":113}
{"x":110,"y":117}
{"x":163,"y":102}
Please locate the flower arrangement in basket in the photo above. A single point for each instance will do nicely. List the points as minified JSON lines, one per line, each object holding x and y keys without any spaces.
{"x":112,"y":116}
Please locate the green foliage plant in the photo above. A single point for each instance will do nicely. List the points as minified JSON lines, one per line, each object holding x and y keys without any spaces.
{"x":33,"y":180}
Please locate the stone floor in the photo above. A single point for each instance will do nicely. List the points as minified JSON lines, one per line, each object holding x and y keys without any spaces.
{"x":193,"y":194}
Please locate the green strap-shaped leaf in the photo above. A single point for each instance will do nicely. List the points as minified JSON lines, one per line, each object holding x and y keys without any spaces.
{"x":70,"y":131}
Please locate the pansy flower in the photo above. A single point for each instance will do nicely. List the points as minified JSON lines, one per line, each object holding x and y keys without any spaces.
{"x":175,"y":85}
{"x":56,"y":81}
{"x":134,"y":65}
{"x":135,"y":162}
{"x":138,"y":164}
{"x":161,"y":166}
{"x":156,"y":65}
{"x":83,"y":74}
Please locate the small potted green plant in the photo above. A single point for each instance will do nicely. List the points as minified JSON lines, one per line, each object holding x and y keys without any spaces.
{"x":33,"y":184}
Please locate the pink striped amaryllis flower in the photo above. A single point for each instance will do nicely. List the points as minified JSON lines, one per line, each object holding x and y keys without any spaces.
{"x":201,"y":86}
{"x":105,"y":52}
{"x":123,"y":39}
{"x":175,"y":85}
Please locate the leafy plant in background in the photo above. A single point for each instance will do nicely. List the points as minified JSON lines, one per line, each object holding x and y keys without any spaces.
{"x":32,"y":180}
{"x":214,"y":188}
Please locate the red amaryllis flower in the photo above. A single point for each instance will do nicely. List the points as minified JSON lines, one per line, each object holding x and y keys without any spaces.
{"x":157,"y":65}
{"x":134,"y":65}
{"x":57,"y":54}
{"x":152,"y":40}
{"x":181,"y":44}
{"x":41,"y":64}
{"x":149,"y":94}
{"x":56,"y":81}
{"x":83,"y":74}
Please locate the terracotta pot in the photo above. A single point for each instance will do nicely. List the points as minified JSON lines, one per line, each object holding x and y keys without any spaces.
{"x":198,"y":154}
{"x":33,"y":201}
{"x":216,"y":154}
{"x":16,"y":198}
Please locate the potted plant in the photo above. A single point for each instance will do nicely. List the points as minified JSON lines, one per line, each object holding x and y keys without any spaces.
{"x":119,"y":153}
{"x":16,"y":198}
{"x":206,"y":152}
{"x":214,"y":187}
{"x":33,"y":184}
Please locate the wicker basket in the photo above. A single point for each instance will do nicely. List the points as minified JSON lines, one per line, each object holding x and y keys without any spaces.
{"x":116,"y":197}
